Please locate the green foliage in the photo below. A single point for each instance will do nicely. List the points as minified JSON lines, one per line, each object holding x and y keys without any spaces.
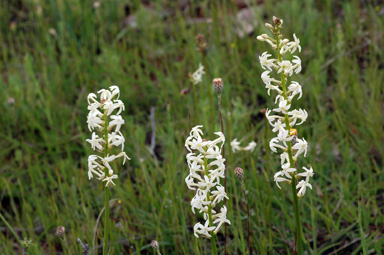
{"x":53,"y":53}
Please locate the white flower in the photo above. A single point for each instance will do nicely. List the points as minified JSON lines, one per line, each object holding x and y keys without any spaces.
{"x":96,"y":142}
{"x":278,"y":179}
{"x":278,"y":126}
{"x":198,"y":74}
{"x":284,"y":120}
{"x":207,"y":183}
{"x":297,"y":67}
{"x":251,"y":146}
{"x":94,"y":122}
{"x":94,"y":167}
{"x":219,"y":194}
{"x":297,"y":114}
{"x":283,"y":107}
{"x":117,"y":121}
{"x":284,"y":157}
{"x":235,"y":145}
{"x":285,"y":66}
{"x":284,"y":137}
{"x":104,"y":95}
{"x":271,"y":118}
{"x":109,"y":180}
{"x":206,"y":168}
{"x":221,"y":218}
{"x":307,"y":174}
{"x":203,"y":230}
{"x":116,"y":139}
{"x":303,"y":186}
{"x":99,"y":118}
{"x":292,"y":46}
{"x":301,"y":146}
{"x":265,"y":62}
{"x":295,"y":88}
{"x":115,"y":91}
{"x":274,"y":143}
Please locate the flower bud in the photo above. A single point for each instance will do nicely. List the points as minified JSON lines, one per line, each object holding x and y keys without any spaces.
{"x":218,"y":85}
{"x":60,"y":231}
{"x":269,"y":26}
{"x":239,"y":173}
{"x":200,"y":42}
{"x":277,"y":21}
{"x":155,"y":244}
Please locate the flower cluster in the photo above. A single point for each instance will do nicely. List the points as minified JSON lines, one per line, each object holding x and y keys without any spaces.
{"x":197,"y":76}
{"x":104,"y":121}
{"x":235,"y":145}
{"x":206,"y":167}
{"x":284,"y":117}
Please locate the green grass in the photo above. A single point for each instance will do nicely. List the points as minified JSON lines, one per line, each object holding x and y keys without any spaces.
{"x":50,"y":61}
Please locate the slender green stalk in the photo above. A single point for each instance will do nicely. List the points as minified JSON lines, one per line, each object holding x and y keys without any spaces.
{"x":213,"y":241}
{"x":106,"y":228}
{"x":248,"y":231}
{"x":195,"y":117}
{"x":362,"y":237}
{"x":225,"y":172}
{"x":210,"y":92}
{"x":299,"y":243}
{"x":10,"y":229}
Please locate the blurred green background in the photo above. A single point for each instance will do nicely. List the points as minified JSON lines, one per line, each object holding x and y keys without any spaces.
{"x":54,"y":53}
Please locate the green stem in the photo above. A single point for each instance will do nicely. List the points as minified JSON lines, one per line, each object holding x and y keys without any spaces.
{"x":213,"y":241}
{"x":10,"y":229}
{"x":299,"y":244}
{"x":210,"y":93}
{"x":362,"y":236}
{"x":195,"y":117}
{"x":106,"y":230}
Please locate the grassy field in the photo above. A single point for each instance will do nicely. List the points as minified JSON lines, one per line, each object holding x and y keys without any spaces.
{"x":54,"y":53}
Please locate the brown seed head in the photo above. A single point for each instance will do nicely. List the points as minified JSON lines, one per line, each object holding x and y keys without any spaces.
{"x":218,"y":85}
{"x":239,"y":173}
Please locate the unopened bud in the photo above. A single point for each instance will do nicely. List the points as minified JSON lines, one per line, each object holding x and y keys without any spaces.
{"x":155,"y":244}
{"x":60,"y":231}
{"x":276,"y":21}
{"x":269,"y":26}
{"x":239,"y":173}
{"x":200,"y":42}
{"x":218,"y":85}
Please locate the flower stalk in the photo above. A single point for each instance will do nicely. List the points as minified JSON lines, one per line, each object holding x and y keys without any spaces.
{"x":239,"y":174}
{"x":206,"y":168}
{"x":287,"y":140}
{"x":104,"y":119}
{"x":218,"y":85}
{"x":106,"y":191}
{"x":202,"y":47}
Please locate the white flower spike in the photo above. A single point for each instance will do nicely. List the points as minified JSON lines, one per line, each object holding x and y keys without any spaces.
{"x":108,"y":136}
{"x":286,"y":142}
{"x":206,"y":168}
